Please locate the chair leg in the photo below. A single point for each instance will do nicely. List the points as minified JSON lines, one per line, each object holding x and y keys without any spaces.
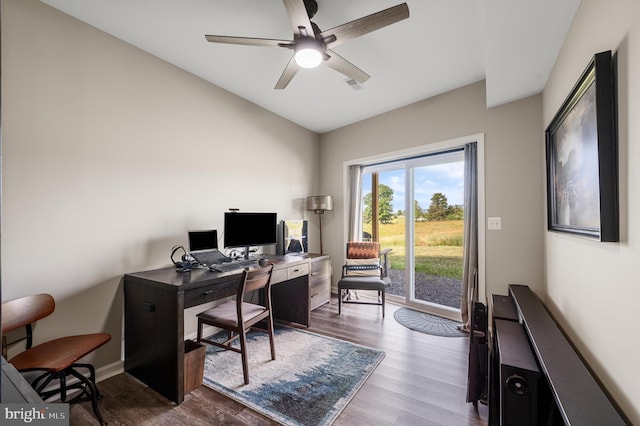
{"x":86,"y":385}
{"x":339,"y":301}
{"x":93,"y":393}
{"x":92,"y":376}
{"x":271,"y":339}
{"x":63,"y":387}
{"x":383,"y":303}
{"x":199,"y":338}
{"x":243,"y":352}
{"x":39,"y":387}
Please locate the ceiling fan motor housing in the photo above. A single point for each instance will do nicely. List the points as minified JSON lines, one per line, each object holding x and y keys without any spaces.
{"x":312,"y":7}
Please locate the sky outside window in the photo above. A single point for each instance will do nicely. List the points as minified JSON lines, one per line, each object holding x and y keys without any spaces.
{"x":445,"y":178}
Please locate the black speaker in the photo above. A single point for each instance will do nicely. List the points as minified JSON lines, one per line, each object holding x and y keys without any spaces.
{"x":477,"y":375}
{"x":519,"y":375}
{"x":502,"y":308}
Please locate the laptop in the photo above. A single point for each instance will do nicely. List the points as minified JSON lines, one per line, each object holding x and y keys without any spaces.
{"x":203,"y":246}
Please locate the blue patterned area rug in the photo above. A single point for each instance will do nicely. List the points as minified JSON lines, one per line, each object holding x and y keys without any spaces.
{"x":311,"y":381}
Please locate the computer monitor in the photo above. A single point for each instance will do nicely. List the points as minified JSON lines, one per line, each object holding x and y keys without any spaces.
{"x":249,"y":229}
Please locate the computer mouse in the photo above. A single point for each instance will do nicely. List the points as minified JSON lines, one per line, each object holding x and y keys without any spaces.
{"x":263,"y":262}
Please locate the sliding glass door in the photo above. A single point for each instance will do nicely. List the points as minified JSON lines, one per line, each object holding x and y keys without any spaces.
{"x":415,"y":207}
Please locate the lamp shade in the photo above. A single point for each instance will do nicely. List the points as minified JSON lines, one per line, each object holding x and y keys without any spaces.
{"x":320,"y":203}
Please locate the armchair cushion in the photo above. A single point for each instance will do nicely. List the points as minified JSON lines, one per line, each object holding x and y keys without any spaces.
{"x":361,"y":283}
{"x":362,"y":267}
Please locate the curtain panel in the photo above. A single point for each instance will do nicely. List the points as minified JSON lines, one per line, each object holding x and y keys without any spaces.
{"x":470,"y":243}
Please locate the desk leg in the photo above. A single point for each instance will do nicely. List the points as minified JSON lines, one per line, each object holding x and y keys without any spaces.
{"x":154,"y":338}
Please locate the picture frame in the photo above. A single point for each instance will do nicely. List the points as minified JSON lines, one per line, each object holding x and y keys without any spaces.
{"x":582,"y":157}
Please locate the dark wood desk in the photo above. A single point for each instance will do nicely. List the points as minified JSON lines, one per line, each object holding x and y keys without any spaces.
{"x":154,"y":304}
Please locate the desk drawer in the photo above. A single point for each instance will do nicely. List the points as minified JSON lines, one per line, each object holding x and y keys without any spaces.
{"x":297,"y":271}
{"x":320,"y":271}
{"x":319,"y":293}
{"x":210,"y":293}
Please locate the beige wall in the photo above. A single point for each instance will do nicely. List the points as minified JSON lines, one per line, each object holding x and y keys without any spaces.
{"x":593,"y":288}
{"x":513,"y":172}
{"x":110,"y":155}
{"x":105,"y":148}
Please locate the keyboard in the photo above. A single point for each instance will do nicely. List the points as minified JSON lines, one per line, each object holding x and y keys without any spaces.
{"x":233,"y":265}
{"x":210,"y":257}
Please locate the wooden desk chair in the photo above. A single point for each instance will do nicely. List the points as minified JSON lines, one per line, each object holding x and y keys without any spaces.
{"x":56,"y":359}
{"x":365,"y":268}
{"x":238,"y":317}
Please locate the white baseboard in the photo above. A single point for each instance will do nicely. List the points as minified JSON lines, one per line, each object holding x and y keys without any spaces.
{"x":113,"y":369}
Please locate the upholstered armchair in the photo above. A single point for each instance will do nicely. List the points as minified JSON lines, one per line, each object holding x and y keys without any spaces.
{"x":365,"y":268}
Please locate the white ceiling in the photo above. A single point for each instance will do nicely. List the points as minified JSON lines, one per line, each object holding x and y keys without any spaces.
{"x":443,"y":45}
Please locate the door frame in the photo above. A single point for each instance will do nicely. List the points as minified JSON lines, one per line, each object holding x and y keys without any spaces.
{"x":434,"y":148}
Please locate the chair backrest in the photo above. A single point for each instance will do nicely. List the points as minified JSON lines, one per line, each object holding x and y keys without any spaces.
{"x":23,"y":312}
{"x":363,"y":259}
{"x":255,"y":279}
{"x":26,"y":310}
{"x":363,"y":250}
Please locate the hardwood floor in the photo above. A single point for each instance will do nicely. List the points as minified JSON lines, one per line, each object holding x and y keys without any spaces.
{"x":421,"y":381}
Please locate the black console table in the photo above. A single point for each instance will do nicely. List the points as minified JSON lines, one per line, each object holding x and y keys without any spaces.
{"x":154,"y":304}
{"x":571,"y":394}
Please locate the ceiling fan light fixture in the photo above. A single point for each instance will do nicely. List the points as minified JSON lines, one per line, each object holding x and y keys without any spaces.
{"x":308,"y":58}
{"x":308,"y":53}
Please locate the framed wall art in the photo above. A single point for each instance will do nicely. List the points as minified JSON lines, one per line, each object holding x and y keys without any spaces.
{"x":582,"y":158}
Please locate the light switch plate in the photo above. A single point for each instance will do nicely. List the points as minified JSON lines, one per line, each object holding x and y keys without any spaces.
{"x":494,"y":223}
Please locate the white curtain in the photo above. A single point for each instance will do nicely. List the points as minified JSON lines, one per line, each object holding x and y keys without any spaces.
{"x":470,"y":244}
{"x":355,"y":202}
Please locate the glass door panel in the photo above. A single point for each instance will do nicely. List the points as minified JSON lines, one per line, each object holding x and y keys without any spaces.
{"x":438,"y":228}
{"x":414,"y":207}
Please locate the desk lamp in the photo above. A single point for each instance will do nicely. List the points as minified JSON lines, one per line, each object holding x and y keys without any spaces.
{"x":320,"y":204}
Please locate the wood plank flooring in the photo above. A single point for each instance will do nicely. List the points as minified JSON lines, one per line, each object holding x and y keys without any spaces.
{"x":421,"y":381}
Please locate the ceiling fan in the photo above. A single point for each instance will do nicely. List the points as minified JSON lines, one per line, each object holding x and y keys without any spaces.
{"x":312,"y":46}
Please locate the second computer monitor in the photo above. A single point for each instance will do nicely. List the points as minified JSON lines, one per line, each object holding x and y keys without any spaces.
{"x":243,"y":229}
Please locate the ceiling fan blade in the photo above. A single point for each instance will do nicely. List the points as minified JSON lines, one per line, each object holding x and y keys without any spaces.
{"x":345,"y":67}
{"x":289,"y":71}
{"x":299,"y":18}
{"x":364,"y":25}
{"x":249,"y":41}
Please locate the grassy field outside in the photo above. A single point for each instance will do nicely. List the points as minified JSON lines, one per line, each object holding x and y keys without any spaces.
{"x":438,"y":248}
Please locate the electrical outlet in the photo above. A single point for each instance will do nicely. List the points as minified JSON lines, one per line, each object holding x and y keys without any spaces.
{"x":494,"y":223}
